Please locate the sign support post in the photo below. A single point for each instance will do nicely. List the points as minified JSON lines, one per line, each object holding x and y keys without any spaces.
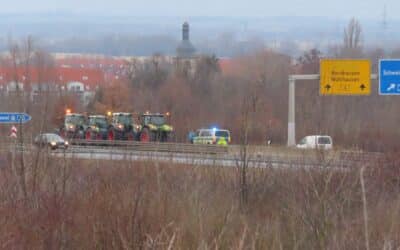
{"x":292,"y":114}
{"x":291,"y":140}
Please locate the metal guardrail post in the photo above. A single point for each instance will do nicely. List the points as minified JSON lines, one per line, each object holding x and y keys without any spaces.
{"x":291,"y":114}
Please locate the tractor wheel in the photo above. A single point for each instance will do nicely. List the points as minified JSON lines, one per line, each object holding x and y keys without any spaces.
{"x":155,"y":136}
{"x":63,"y":134}
{"x":163,"y":137}
{"x":88,"y":135}
{"x":145,"y":135}
{"x":167,"y":137}
{"x":80,"y":133}
{"x":111,"y":135}
{"x":130,"y":136}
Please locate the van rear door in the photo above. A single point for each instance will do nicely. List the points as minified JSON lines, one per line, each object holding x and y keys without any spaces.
{"x":324,"y":142}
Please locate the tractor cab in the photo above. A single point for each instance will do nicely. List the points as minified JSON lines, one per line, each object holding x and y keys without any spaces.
{"x":97,"y":127}
{"x":122,"y":120}
{"x":98,"y":121}
{"x":152,"y":119}
{"x":75,"y":120}
{"x":74,"y":126}
{"x":122,"y":127}
{"x":154,"y":127}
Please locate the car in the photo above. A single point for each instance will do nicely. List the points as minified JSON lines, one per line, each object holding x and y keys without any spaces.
{"x":212,"y":136}
{"x":316,"y":142}
{"x":53,"y":141}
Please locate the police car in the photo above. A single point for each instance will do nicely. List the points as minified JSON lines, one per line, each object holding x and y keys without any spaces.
{"x":212,"y":136}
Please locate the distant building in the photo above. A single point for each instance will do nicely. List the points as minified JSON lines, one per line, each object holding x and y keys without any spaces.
{"x":186,"y":58}
{"x":185,"y":50}
{"x":56,"y":81}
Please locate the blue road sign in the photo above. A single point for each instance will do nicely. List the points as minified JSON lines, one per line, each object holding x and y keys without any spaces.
{"x":14,"y":118}
{"x":389,"y":77}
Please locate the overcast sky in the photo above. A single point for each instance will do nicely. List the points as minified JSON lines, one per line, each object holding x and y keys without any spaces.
{"x":365,"y":9}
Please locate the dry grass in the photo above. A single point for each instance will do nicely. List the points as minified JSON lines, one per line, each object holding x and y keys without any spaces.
{"x":77,"y":204}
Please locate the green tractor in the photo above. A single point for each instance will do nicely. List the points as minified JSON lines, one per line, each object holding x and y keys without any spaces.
{"x":74,"y":126}
{"x":97,"y":128}
{"x":122,"y":127}
{"x":154,"y":127}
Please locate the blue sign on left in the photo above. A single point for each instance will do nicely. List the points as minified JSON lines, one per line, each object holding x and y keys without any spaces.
{"x":14,"y":118}
{"x":389,"y":77}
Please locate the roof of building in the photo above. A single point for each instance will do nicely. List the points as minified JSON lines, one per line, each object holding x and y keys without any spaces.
{"x":91,"y":62}
{"x":59,"y":75}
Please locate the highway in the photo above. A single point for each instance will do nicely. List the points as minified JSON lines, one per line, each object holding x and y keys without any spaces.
{"x":209,"y":155}
{"x":225,"y":160}
{"x":228,"y":159}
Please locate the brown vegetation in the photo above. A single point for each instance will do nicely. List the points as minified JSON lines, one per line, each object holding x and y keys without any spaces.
{"x":200,"y":95}
{"x":75,"y":204}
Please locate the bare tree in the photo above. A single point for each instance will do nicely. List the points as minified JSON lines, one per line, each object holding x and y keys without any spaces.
{"x":20,"y":57}
{"x":249,"y":106}
{"x":309,"y":61}
{"x":352,"y":39}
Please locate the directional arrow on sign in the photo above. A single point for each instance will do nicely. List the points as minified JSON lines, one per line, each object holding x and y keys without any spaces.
{"x":328,"y":87}
{"x":14,"y":118}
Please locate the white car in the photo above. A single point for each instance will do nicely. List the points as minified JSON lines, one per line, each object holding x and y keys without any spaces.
{"x":315,"y":142}
{"x":53,"y":141}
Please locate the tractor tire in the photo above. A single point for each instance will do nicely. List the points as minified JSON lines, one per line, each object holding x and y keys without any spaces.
{"x":80,"y":134}
{"x":130,"y":136}
{"x":63,"y":134}
{"x":169,"y":137}
{"x":145,"y":135}
{"x":69,"y":135}
{"x":89,"y":135}
{"x":164,"y":137}
{"x":111,"y":134}
{"x":154,"y":136}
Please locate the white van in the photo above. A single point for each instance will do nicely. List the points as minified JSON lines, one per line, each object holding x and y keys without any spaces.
{"x":315,"y":142}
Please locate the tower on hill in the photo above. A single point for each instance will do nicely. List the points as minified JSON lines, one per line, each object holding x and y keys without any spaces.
{"x":185,"y":48}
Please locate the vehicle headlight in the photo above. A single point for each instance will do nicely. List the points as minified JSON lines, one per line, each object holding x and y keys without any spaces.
{"x":66,"y":143}
{"x":71,"y":127}
{"x":53,"y":143}
{"x":120,"y":126}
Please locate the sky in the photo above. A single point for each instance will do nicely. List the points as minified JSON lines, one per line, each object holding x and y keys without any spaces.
{"x":365,"y":9}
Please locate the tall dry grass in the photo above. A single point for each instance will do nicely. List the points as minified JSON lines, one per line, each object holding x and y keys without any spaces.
{"x":77,"y":204}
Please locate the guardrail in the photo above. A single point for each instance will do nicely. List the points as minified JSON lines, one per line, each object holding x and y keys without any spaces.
{"x":359,"y":156}
{"x":100,"y":153}
{"x":257,"y":153}
{"x":155,"y":147}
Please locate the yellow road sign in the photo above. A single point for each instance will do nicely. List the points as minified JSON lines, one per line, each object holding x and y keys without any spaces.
{"x":345,"y":77}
